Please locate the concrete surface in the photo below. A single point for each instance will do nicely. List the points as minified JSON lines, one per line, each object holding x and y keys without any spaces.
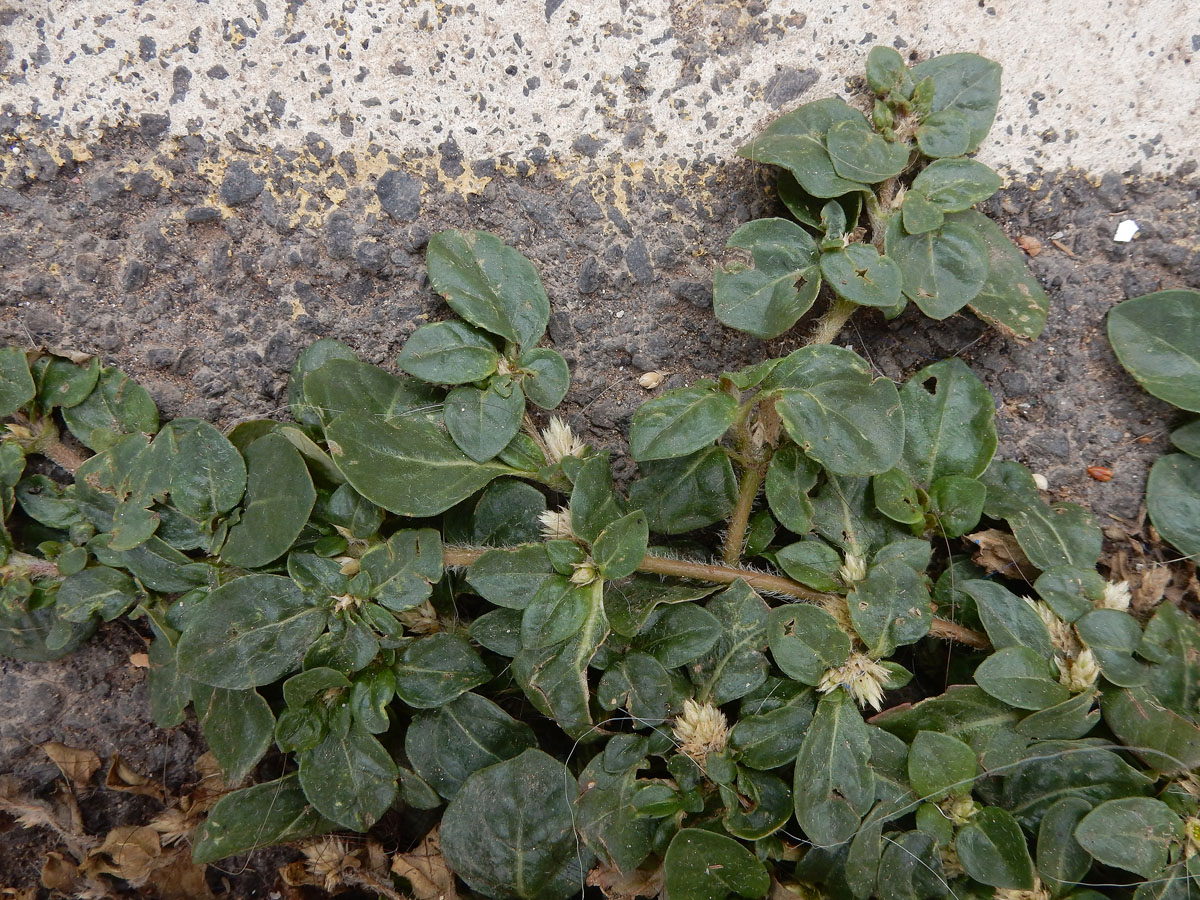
{"x":1099,"y":85}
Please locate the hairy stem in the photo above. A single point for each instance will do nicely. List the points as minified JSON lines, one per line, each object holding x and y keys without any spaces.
{"x":833,"y":321}
{"x":63,"y":455}
{"x":735,"y":538}
{"x":775,"y":584}
{"x":29,"y":566}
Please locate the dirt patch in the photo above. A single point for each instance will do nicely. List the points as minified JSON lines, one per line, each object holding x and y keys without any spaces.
{"x":204,"y":269}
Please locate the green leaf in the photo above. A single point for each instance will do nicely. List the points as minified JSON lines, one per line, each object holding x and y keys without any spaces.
{"x":1060,"y":535}
{"x":967,"y":83}
{"x":546,"y":376}
{"x":510,"y":578}
{"x":1113,"y":636}
{"x":956,"y":502}
{"x":796,"y":141}
{"x":965,"y":712}
{"x":619,"y":549}
{"x":1021,"y":678}
{"x":61,"y":382}
{"x":771,"y":804}
{"x":790,"y":476}
{"x":844,"y":514}
{"x":482,"y":422}
{"x":489,"y":284}
{"x":507,"y":514}
{"x":448,"y":353}
{"x":1174,"y":639}
{"x":1054,"y":770}
{"x":680,"y":634}
{"x":640,"y":685}
{"x":834,"y":787}
{"x":96,"y":592}
{"x":736,"y":665}
{"x":860,"y":155}
{"x":1157,"y":339}
{"x":247,"y":632}
{"x":1061,"y":861}
{"x":468,"y":734}
{"x":434,"y":670}
{"x":896,"y":497}
{"x":1070,"y":591}
{"x":594,"y":504}
{"x":557,"y":611}
{"x":680,"y":422}
{"x":837,"y":414}
{"x":347,"y":385}
{"x":772,"y":739}
{"x":117,"y":406}
{"x":859,"y":274}
{"x":36,"y":633}
{"x":1008,"y":619}
{"x":919,"y":215}
{"x":812,"y":563}
{"x":310,"y":359}
{"x":47,"y":502}
{"x":413,"y":469}
{"x":1132,"y":833}
{"x":767,"y":293}
{"x":885,"y":69}
{"x":807,"y":208}
{"x":279,"y":498}
{"x":263,"y":815}
{"x":944,"y":133}
{"x":629,"y":605}
{"x":238,"y":726}
{"x":953,"y":185}
{"x":940,"y":764}
{"x":606,"y":818}
{"x":702,"y":865}
{"x":1173,"y":500}
{"x":806,"y":641}
{"x":688,"y":492}
{"x":943,"y":269}
{"x":16,"y":383}
{"x":1011,"y":298}
{"x":949,"y":423}
{"x":1164,"y":740}
{"x":350,"y":778}
{"x":992,"y":850}
{"x":555,"y":678}
{"x":509,"y":833}
{"x":1068,"y":720}
{"x":403,"y":569}
{"x":890,"y":607}
{"x":1187,"y":438}
{"x":208,"y":474}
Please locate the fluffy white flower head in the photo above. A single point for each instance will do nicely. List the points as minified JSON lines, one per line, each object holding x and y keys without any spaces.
{"x":556,"y":525}
{"x":1039,"y":892}
{"x":861,"y":676}
{"x":1078,"y":674}
{"x":1116,"y":596}
{"x":1062,"y":635}
{"x":421,"y":619}
{"x":560,"y":441}
{"x":700,"y":730}
{"x":1191,"y":830}
{"x":854,"y":569}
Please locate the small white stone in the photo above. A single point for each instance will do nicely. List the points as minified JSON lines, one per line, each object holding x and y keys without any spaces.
{"x":1125,"y":231}
{"x":1041,"y":482}
{"x":620,"y":313}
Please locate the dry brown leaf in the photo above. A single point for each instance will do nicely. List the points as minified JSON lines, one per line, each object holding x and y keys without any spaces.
{"x":129,"y":852}
{"x":1029,"y":244}
{"x":780,"y":891}
{"x":78,"y":765}
{"x":330,"y":863}
{"x":59,"y":873}
{"x":121,"y":777}
{"x":426,"y":870}
{"x":1151,"y":588}
{"x":25,"y":893}
{"x":60,"y":814}
{"x":616,"y":885}
{"x":179,"y":879}
{"x":139,"y":660}
{"x":999,"y":552}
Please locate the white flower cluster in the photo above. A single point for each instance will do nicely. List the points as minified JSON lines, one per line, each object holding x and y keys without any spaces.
{"x":861,"y":676}
{"x":700,"y":730}
{"x":560,"y":441}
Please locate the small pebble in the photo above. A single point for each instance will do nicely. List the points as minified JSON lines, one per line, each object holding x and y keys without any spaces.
{"x":651,"y":380}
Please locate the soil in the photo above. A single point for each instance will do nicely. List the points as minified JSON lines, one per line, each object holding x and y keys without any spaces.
{"x":204,"y":269}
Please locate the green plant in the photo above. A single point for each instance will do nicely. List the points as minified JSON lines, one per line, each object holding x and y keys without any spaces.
{"x":401,"y":601}
{"x":1157,"y":339}
{"x":903,"y":171}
